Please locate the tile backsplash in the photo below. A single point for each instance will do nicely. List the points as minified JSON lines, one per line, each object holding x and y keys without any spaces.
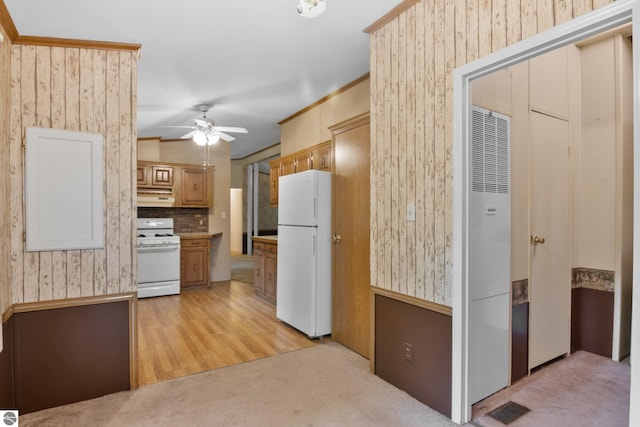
{"x":185,"y":220}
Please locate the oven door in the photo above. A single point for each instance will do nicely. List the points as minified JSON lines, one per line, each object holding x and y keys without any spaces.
{"x":158,"y":263}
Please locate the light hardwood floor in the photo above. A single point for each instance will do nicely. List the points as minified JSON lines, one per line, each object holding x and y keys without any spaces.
{"x":203,"y":329}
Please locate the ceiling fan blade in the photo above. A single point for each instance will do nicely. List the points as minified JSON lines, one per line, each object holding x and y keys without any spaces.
{"x":180,"y":127}
{"x":190,"y":134}
{"x":226,"y":137}
{"x":230,"y":129}
{"x":202,"y":123}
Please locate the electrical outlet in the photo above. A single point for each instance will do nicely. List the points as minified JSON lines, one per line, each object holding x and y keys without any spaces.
{"x":408,"y":352}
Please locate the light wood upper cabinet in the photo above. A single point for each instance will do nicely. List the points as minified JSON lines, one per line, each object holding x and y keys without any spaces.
{"x":323,"y":157}
{"x":190,"y":185}
{"x":303,"y":161}
{"x":274,"y":178}
{"x":195,"y":188}
{"x":143,"y":175}
{"x":154,"y":175}
{"x":316,"y":157}
{"x":287,"y":165}
{"x":161,"y":176}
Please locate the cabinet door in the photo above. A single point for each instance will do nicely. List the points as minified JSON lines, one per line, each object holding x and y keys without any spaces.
{"x":194,"y":263}
{"x":143,"y":175}
{"x":258,"y":268}
{"x":287,"y":166}
{"x":273,"y":187}
{"x":270,"y":275}
{"x":304,"y":161}
{"x":194,"y":191}
{"x":161,"y":176}
{"x":323,"y":159}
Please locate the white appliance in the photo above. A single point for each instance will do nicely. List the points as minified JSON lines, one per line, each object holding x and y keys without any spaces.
{"x":303,"y":297}
{"x":158,"y":252}
{"x":490,"y":244}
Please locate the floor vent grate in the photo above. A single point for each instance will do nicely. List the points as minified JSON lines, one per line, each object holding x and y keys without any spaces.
{"x":509,"y":412}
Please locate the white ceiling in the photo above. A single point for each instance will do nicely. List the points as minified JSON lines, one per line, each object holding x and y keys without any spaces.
{"x":258,"y":62}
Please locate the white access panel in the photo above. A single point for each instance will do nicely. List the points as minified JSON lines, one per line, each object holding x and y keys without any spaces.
{"x":64,"y":190}
{"x":489,"y":345}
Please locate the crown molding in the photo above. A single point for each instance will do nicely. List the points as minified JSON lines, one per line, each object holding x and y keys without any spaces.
{"x":390,"y":16}
{"x":7,"y":22}
{"x":326,"y":98}
{"x":10,"y":29}
{"x":73,"y":43}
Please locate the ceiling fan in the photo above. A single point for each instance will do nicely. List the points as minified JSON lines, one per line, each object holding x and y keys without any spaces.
{"x":205,"y":132}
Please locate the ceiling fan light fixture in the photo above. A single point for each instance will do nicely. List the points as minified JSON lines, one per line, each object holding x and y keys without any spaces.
{"x":311,"y":8}
{"x":213,"y":139}
{"x":200,"y":138}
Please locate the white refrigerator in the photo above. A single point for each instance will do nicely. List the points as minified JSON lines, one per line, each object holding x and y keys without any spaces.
{"x":303,"y":297}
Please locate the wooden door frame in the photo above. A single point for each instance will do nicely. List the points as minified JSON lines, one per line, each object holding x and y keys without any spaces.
{"x":588,"y":25}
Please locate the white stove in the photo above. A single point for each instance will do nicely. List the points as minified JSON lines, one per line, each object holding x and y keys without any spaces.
{"x":158,"y":252}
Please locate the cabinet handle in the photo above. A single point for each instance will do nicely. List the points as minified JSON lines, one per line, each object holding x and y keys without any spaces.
{"x":194,"y":187}
{"x":257,"y":272}
{"x":269,"y":277}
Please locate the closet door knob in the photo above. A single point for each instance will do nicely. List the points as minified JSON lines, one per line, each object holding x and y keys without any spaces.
{"x":537,"y":240}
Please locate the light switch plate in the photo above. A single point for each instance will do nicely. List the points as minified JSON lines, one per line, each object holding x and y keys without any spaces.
{"x":411,"y":212}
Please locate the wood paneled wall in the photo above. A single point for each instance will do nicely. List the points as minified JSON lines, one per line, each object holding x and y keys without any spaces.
{"x":5,"y":102}
{"x":412,"y":62}
{"x":89,"y":90}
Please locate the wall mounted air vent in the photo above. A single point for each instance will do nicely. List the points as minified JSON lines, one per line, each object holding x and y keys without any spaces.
{"x":489,"y":151}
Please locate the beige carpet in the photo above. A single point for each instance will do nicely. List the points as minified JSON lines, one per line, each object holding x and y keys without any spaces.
{"x":583,"y":390}
{"x":325,"y":385}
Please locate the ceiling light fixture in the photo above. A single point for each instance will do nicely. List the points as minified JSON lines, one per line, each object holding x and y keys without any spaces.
{"x":205,"y":138}
{"x":311,"y":8}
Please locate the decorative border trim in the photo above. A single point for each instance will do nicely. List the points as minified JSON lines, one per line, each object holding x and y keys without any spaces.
{"x":519,"y":292}
{"x":591,"y":278}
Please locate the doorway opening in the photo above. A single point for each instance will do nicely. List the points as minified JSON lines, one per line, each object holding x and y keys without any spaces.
{"x":604,"y":19}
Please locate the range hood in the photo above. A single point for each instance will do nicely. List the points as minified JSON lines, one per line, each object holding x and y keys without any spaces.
{"x":152,"y":198}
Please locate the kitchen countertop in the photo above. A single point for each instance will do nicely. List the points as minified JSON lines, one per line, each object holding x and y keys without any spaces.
{"x":265,"y":239}
{"x":199,"y":235}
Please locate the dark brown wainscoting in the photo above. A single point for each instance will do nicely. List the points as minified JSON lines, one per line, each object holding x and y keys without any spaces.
{"x":71,"y":350}
{"x":519,"y":341}
{"x":7,"y":395}
{"x":592,"y":321}
{"x":428,"y":376}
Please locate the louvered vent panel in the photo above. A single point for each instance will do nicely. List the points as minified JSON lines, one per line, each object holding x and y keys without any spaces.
{"x":489,"y":152}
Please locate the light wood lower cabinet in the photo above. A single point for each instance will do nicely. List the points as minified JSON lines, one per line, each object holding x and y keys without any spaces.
{"x":194,"y":263}
{"x":265,"y":269}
